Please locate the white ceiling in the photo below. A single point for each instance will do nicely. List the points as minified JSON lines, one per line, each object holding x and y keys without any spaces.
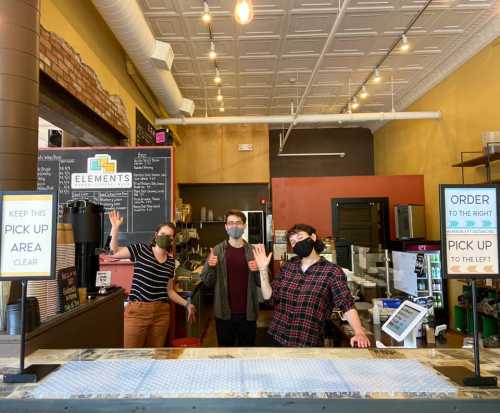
{"x":285,"y":39}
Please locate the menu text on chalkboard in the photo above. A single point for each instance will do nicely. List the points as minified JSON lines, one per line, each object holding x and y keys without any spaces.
{"x":137,"y":182}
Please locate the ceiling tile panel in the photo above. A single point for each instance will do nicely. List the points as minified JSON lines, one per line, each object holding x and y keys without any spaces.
{"x":297,"y":46}
{"x":183,"y":66}
{"x":166,"y":27}
{"x":256,"y":80}
{"x":263,"y":25}
{"x":296,"y":63}
{"x":311,"y":24}
{"x":258,"y":47}
{"x":157,"y":6}
{"x":267,"y":62}
{"x":255,"y":92}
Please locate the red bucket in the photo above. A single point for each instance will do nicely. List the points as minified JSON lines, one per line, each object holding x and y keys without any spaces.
{"x":186,"y":342}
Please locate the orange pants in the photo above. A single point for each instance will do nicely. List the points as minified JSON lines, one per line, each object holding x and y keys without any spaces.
{"x":146,"y":324}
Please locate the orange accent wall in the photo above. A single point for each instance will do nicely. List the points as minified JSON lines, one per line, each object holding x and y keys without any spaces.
{"x":308,"y":200}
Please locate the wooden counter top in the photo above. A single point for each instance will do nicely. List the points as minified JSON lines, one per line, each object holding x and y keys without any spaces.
{"x":464,"y":400}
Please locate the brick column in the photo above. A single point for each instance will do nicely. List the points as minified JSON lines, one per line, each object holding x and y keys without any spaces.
{"x":19,"y":68}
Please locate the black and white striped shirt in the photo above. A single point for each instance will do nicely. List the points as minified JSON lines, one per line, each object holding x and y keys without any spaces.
{"x":150,"y":277}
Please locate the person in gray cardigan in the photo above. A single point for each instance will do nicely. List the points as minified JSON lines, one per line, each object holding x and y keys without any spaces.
{"x":231,"y":270}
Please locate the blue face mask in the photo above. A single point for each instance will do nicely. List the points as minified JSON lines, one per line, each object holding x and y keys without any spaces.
{"x":235,"y":232}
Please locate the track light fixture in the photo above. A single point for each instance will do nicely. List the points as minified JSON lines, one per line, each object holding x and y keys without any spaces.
{"x":405,"y":45}
{"x":220,"y":98}
{"x":206,"y":17}
{"x":217,"y":79}
{"x":212,"y":54}
{"x":354,"y":104}
{"x":364,"y":93}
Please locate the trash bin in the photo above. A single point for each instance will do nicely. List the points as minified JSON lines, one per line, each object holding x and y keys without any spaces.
{"x":186,"y":342}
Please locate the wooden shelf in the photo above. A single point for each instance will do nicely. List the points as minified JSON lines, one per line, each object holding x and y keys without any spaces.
{"x":480,"y":160}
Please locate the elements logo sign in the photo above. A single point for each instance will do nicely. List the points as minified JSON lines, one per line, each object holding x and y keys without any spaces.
{"x":101,"y":173}
{"x":101,"y":164}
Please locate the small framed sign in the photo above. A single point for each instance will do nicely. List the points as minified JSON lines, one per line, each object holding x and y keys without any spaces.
{"x":103,"y":279}
{"x":28,"y":238}
{"x":469,"y":231}
{"x":68,"y":288}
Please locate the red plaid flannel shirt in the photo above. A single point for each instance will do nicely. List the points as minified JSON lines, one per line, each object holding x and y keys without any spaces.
{"x":303,"y":301}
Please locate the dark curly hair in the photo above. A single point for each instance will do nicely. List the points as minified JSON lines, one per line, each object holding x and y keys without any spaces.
{"x":319,"y":246}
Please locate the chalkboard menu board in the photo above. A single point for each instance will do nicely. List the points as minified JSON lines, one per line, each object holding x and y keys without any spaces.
{"x":67,"y":286}
{"x":144,"y":130}
{"x":137,"y":182}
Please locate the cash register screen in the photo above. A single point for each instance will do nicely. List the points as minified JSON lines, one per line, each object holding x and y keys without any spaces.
{"x":404,"y":317}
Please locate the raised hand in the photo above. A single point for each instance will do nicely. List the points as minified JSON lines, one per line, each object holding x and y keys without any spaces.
{"x":212,"y":258}
{"x":115,"y":218}
{"x":261,"y":258}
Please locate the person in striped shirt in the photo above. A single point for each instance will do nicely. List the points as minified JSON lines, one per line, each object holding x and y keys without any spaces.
{"x":147,"y":314}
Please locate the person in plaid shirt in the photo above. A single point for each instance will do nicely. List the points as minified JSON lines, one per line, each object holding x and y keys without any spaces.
{"x":305,"y":292}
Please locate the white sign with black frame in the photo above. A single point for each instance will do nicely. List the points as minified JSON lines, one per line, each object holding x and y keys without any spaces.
{"x":28,"y":239}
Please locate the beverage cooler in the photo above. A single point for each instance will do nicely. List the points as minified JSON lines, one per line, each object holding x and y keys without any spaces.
{"x":418,"y":274}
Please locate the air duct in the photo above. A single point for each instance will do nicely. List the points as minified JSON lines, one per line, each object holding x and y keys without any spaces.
{"x":328,"y":118}
{"x":127,"y":22}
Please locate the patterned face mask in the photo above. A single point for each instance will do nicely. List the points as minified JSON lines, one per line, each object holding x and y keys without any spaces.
{"x":163,"y":241}
{"x":235,"y":232}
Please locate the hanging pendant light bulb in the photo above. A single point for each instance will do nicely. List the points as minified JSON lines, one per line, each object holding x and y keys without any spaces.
{"x":243,"y":12}
{"x":405,"y":45}
{"x":376,"y":77}
{"x":217,"y":78}
{"x":211,"y":54}
{"x":221,"y":109}
{"x":355,"y":103}
{"x":206,"y":17}
{"x":364,"y":93}
{"x":219,"y":96}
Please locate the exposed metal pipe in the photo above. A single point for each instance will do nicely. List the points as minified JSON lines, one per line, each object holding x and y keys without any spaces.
{"x":300,"y":119}
{"x":127,"y":22}
{"x":328,"y":41}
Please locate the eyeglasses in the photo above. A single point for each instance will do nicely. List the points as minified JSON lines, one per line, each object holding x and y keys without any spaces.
{"x":234,"y":223}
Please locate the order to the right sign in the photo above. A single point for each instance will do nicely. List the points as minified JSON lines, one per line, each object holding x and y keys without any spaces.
{"x":471,"y":231}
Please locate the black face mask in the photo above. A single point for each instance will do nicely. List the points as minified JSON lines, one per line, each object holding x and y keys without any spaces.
{"x":304,"y":248}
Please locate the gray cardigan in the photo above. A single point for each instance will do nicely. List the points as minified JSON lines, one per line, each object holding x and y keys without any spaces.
{"x":217,"y":277}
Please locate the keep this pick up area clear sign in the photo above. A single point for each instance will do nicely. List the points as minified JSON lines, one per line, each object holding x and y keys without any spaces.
{"x":28,"y":223}
{"x":469,"y":225}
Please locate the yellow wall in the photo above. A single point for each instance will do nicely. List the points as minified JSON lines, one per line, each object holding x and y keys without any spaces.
{"x":209,"y":154}
{"x":468,"y":101}
{"x":80,"y":24}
